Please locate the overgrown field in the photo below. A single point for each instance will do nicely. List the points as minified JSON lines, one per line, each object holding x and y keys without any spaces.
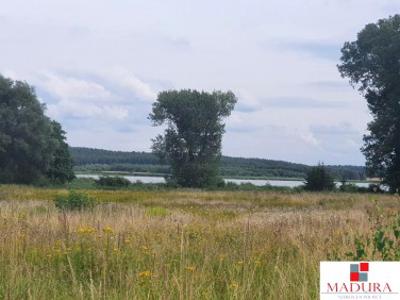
{"x":183,"y":244}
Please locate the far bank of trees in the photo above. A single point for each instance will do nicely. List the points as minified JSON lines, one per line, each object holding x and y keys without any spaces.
{"x":32,"y":146}
{"x":87,"y":159}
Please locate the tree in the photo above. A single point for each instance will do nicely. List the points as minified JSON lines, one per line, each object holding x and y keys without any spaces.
{"x":319,"y":179}
{"x":372,"y":64}
{"x":191,"y":143}
{"x":60,"y":169}
{"x":32,"y":147}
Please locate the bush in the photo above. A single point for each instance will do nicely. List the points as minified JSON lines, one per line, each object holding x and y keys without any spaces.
{"x":349,"y":188}
{"x":115,"y":181}
{"x":383,"y":243}
{"x":74,"y":201}
{"x":156,"y":211}
{"x":319,"y":179}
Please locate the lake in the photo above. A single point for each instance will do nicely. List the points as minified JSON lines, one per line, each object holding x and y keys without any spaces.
{"x":257,"y":182}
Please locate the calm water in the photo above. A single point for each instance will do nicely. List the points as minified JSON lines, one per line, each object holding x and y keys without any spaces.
{"x":257,"y":182}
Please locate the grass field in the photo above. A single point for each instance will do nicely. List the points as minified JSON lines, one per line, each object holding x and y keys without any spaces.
{"x":182,"y":244}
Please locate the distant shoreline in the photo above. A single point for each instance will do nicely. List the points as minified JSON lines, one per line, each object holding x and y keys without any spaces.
{"x":147,"y":174}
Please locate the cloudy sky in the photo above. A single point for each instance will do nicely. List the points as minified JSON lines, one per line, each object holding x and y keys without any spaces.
{"x":99,"y":64}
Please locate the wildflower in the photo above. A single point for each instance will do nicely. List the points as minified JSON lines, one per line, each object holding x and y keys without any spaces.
{"x":190,"y":268}
{"x":108,"y":230}
{"x":146,"y":250}
{"x":234,"y":285}
{"x":240,"y":262}
{"x":144,"y":274}
{"x":86,"y":230}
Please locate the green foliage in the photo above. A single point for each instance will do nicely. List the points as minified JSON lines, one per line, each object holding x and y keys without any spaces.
{"x":60,"y":169}
{"x":383,"y":244}
{"x":371,"y":63}
{"x":319,"y":179}
{"x":32,"y":147}
{"x":116,"y":181}
{"x":74,"y":201}
{"x":90,"y":156}
{"x":156,"y":211}
{"x":348,"y":188}
{"x":191,"y":144}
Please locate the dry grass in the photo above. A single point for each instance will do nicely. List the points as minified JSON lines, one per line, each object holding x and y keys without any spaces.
{"x":176,"y":244}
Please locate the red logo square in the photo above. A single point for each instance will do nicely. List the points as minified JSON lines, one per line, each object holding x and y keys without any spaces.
{"x":364,"y":267}
{"x":354,"y":276}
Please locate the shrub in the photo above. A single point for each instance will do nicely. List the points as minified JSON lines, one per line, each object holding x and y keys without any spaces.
{"x":115,"y":181}
{"x":156,"y":211}
{"x":319,"y":179}
{"x":74,"y":201}
{"x":383,"y":244}
{"x":349,"y":188}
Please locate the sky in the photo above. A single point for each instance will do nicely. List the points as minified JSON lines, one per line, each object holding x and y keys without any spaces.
{"x":98,"y":65}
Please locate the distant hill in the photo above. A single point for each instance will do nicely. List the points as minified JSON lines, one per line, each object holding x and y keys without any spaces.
{"x":88,"y":159}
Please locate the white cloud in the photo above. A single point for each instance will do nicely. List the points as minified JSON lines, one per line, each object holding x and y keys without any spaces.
{"x":75,"y":97}
{"x":309,"y":138}
{"x":127,"y":80}
{"x":65,"y":87}
{"x":75,"y":109}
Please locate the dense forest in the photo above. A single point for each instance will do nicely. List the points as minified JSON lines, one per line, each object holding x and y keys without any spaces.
{"x":87,"y":159}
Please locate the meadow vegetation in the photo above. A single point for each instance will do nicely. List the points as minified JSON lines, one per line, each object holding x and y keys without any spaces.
{"x":183,"y":243}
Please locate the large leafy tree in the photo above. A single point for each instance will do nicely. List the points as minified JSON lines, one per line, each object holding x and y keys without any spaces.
{"x":32,"y":147}
{"x":372,"y":63}
{"x":191,"y":143}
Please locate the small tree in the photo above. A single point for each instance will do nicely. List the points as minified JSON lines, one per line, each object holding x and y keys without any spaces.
{"x":319,"y":179}
{"x":191,"y":143}
{"x":60,"y":169}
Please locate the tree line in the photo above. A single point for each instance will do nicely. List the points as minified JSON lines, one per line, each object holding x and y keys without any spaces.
{"x":95,"y":160}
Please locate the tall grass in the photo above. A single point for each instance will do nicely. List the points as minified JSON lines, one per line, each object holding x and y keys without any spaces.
{"x":182,"y":244}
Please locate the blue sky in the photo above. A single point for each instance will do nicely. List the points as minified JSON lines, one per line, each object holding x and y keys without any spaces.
{"x":98,"y":65}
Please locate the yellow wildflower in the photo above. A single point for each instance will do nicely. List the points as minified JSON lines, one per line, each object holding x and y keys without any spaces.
{"x":144,"y":274}
{"x":234,"y":285}
{"x":108,"y":230}
{"x":190,"y":268}
{"x":86,"y":230}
